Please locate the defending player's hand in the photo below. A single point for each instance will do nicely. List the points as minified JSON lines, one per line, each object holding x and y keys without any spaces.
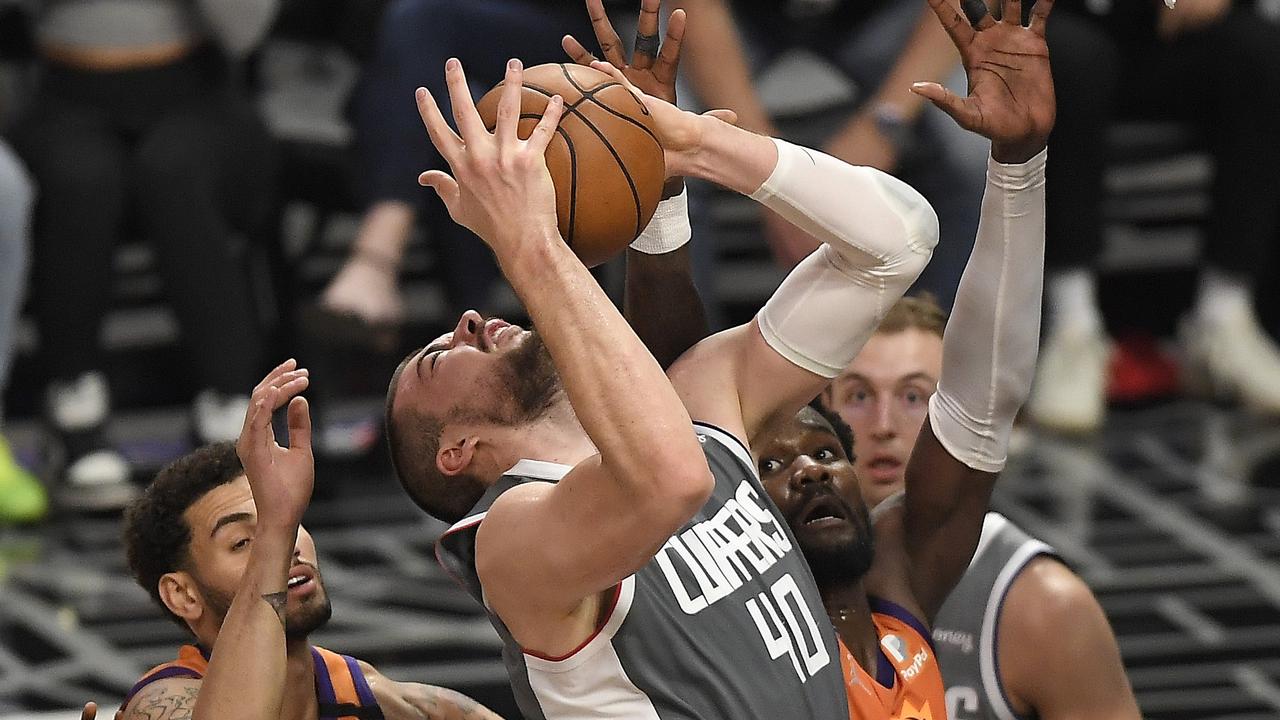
{"x":281,"y":477}
{"x":680,"y":131}
{"x":653,"y":66}
{"x":1010,"y":97}
{"x":500,"y":188}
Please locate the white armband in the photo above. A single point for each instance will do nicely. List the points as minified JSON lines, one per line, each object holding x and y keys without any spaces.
{"x":669,"y":228}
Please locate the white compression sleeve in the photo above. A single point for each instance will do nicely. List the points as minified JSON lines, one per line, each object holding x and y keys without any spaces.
{"x":992,"y":338}
{"x":879,"y":234}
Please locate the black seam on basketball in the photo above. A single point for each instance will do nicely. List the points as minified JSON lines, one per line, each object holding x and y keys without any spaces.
{"x":573,"y":109}
{"x":591,"y":95}
{"x":573,"y":187}
{"x":635,"y":194}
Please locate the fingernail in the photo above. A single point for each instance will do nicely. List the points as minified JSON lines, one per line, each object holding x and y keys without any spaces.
{"x":513,"y":64}
{"x":452,"y":64}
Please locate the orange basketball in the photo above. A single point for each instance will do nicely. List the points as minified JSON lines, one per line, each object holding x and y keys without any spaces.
{"x":605,"y":158}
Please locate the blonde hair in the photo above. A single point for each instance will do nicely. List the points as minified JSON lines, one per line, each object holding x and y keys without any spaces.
{"x":920,"y":312}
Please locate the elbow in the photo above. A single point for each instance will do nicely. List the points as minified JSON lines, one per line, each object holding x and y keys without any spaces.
{"x":685,"y":485}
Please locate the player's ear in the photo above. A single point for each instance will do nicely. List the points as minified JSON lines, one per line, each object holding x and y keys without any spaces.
{"x":178,"y":592}
{"x":455,"y":454}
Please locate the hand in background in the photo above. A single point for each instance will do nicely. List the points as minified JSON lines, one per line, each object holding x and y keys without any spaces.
{"x":863,"y":143}
{"x":1188,"y":16}
{"x":652,"y":68}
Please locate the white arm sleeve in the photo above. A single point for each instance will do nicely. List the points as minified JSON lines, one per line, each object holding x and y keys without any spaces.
{"x":878,"y":235}
{"x":992,"y":338}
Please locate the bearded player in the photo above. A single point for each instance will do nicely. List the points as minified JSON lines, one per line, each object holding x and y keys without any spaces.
{"x":628,"y":556}
{"x":219,"y":546}
{"x":883,"y":602}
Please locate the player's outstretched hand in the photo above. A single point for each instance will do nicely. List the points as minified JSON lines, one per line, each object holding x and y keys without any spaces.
{"x":1010,"y":97}
{"x":281,"y":477}
{"x":653,"y":64}
{"x":680,"y":131}
{"x":500,"y":188}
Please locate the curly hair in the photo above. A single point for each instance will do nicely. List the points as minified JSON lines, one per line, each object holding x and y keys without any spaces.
{"x":157,"y":538}
{"x":843,"y":432}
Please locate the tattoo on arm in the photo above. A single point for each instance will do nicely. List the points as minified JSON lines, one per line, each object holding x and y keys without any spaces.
{"x":164,"y":703}
{"x":438,"y":703}
{"x":277,"y":601}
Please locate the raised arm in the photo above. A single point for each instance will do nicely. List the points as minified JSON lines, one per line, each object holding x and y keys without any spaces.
{"x":543,"y":549}
{"x":878,"y":234}
{"x":246,"y":675}
{"x":992,"y":337}
{"x":660,"y":300}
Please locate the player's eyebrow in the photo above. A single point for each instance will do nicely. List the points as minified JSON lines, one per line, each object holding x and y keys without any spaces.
{"x":230,"y":519}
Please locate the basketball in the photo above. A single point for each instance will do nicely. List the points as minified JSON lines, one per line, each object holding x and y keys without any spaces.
{"x":605,"y":158}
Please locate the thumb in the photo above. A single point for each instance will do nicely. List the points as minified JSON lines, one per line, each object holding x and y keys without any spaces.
{"x":948,"y":102}
{"x":444,"y":185}
{"x":299,"y":425}
{"x":89,"y":712}
{"x":728,"y":116}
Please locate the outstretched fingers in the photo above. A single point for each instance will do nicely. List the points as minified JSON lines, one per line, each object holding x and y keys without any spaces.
{"x":442,"y":136}
{"x":299,"y":425}
{"x":1040,"y":16}
{"x":576,"y":51}
{"x":509,"y":104}
{"x":546,"y":127}
{"x":669,"y":56}
{"x":464,"y":107}
{"x":610,"y":43}
{"x":961,"y":32}
{"x":978,"y":13}
{"x":1011,"y":12}
{"x":646,"y":49}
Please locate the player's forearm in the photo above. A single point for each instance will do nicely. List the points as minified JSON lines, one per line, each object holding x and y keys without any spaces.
{"x":619,"y":392}
{"x":247,"y":669}
{"x":716,"y":65}
{"x":993,"y":335}
{"x":660,"y":300}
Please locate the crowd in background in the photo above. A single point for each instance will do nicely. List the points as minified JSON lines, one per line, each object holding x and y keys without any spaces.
{"x":139,"y":118}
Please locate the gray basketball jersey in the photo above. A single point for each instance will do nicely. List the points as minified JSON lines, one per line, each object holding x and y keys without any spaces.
{"x":965,"y":630}
{"x":724,"y":623}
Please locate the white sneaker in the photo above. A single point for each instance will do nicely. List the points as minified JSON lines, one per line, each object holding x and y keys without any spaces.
{"x":1070,"y":390}
{"x":1232,"y":357}
{"x":96,"y":476}
{"x":218,"y":417}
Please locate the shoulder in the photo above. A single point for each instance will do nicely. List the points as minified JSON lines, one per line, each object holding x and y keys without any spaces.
{"x":165,"y":697}
{"x":1058,"y":655}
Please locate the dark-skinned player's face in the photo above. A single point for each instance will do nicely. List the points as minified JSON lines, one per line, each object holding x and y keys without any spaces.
{"x":808,"y":475}
{"x":222,"y":525}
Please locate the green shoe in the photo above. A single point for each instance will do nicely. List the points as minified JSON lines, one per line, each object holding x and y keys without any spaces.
{"x":22,"y":497}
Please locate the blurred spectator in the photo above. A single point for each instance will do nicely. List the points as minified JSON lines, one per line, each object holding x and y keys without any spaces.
{"x":416,"y":38}
{"x":1216,"y":67}
{"x":139,"y":121}
{"x":22,"y":497}
{"x":883,"y":46}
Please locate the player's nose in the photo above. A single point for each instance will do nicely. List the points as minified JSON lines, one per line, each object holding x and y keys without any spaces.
{"x":805,"y":470}
{"x":470,"y":325}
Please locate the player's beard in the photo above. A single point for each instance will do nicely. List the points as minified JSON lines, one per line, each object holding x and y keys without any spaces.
{"x":845,"y":561}
{"x":300,"y":620}
{"x":531,"y":382}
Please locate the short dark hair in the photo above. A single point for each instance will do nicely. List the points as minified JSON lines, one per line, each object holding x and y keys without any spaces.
{"x":921,"y":312}
{"x":157,"y":537}
{"x":844,"y":433}
{"x":413,"y":440}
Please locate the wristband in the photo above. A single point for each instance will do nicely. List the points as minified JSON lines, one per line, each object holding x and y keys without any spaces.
{"x":669,"y":229}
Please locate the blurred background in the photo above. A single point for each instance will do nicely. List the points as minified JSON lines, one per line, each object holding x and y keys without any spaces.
{"x":191,"y":191}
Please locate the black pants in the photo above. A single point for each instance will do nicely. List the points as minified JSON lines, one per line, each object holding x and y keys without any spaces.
{"x":171,"y":152}
{"x":1224,"y":79}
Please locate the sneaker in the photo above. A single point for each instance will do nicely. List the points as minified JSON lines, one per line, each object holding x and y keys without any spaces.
{"x":95,"y":475}
{"x":22,"y":497}
{"x":1069,"y":394}
{"x":217,"y":417}
{"x":1232,"y":358}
